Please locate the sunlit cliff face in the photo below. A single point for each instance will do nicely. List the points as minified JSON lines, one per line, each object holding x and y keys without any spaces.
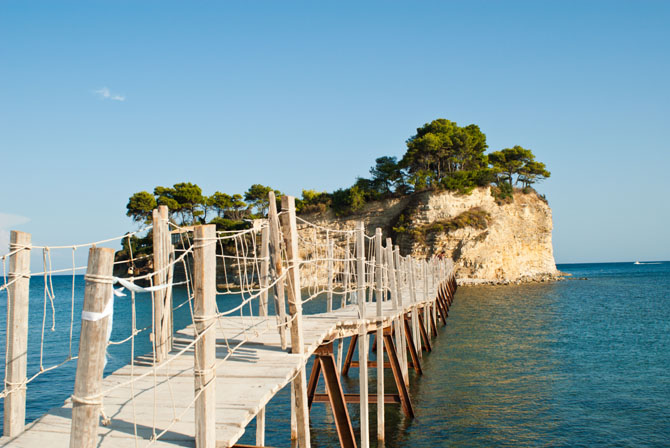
{"x":514,"y":246}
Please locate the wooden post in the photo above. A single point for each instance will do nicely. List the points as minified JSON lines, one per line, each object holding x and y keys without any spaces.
{"x":415,"y":321}
{"x":345,"y":285}
{"x":204,"y":320}
{"x":434,"y":292}
{"x":294,"y":420}
{"x":162,"y":309}
{"x":290,"y":231}
{"x":18,"y":294}
{"x":379,"y":293}
{"x":263,"y":281}
{"x":398,"y":278}
{"x":260,"y":428}
{"x":391,"y":273}
{"x":329,"y":305}
{"x":426,"y":298}
{"x":362,"y":335}
{"x":345,"y":280}
{"x":265,"y":269}
{"x":402,"y":343}
{"x":86,"y":402}
{"x":394,"y":290}
{"x":276,"y":267}
{"x":360,"y":268}
{"x":168,"y":292}
{"x":363,"y":380}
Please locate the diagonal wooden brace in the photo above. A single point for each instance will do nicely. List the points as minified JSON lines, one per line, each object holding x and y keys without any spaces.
{"x":324,"y":362}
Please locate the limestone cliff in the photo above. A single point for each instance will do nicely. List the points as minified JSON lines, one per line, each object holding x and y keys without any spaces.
{"x":489,"y":243}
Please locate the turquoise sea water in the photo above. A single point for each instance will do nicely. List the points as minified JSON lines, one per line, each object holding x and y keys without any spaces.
{"x":572,"y":363}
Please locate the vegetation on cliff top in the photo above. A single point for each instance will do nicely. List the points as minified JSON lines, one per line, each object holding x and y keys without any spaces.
{"x":440,"y":156}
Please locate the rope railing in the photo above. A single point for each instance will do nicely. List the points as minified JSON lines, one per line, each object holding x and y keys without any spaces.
{"x":326,"y":267}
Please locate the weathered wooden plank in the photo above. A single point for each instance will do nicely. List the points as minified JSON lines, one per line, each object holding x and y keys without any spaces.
{"x":251,"y":375}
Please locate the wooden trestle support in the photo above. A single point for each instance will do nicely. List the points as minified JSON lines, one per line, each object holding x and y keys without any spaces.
{"x":324,"y":364}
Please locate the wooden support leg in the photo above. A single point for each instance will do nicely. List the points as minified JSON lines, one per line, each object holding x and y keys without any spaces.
{"x":401,"y":397}
{"x":313,"y":381}
{"x":397,"y":374}
{"x":260,"y":428}
{"x":433,"y":322}
{"x":350,"y":355}
{"x":340,"y":346}
{"x":402,"y":348}
{"x":412,"y":348}
{"x":448,"y":293}
{"x":336,"y":396}
{"x":424,"y":335}
{"x":294,"y":418}
{"x":444,"y":308}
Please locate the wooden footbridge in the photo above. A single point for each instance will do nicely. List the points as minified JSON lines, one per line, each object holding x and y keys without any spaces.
{"x":202,"y":385}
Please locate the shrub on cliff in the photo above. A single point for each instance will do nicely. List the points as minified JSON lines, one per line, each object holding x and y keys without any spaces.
{"x":503,"y":193}
{"x":475,"y":218}
{"x":313,"y":202}
{"x":347,"y":201}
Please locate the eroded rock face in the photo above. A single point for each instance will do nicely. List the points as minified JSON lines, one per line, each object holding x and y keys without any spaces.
{"x":515,"y":247}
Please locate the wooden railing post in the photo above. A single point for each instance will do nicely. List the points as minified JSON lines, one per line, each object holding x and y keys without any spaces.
{"x":330,"y":254}
{"x":162,"y":309}
{"x":436,"y":283}
{"x":379,"y":296}
{"x":411,"y":275}
{"x":402,"y":342}
{"x":264,"y":279}
{"x":204,"y":321}
{"x":345,"y":280}
{"x":360,"y":268}
{"x":290,"y":231}
{"x":394,"y":290}
{"x":18,"y":294}
{"x":86,"y":400}
{"x":276,"y":267}
{"x":362,"y":334}
{"x":426,"y":297}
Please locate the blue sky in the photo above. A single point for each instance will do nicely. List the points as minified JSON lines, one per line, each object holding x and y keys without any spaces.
{"x":99,"y":100}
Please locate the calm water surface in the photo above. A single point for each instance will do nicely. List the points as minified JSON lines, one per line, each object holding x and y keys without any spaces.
{"x":573,"y":363}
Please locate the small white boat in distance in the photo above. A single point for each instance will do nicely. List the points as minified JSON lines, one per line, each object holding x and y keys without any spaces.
{"x":637,"y":262}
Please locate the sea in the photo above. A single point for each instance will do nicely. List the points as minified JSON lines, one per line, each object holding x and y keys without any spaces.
{"x":580,"y":362}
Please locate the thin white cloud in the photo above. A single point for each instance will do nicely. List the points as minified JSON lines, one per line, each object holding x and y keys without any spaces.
{"x":7,"y":222}
{"x":106,"y":94}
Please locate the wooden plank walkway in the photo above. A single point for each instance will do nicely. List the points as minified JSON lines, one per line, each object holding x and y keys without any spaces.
{"x":246,"y":380}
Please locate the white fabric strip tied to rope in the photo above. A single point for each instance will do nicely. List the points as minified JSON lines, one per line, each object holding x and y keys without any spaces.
{"x":109,"y":308}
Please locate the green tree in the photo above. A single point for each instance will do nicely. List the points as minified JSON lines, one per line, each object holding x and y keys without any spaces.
{"x":257,"y":197}
{"x":238,"y":208}
{"x":220,"y":202}
{"x":184,"y":198}
{"x":140,"y":206}
{"x":387,"y":174}
{"x":533,"y":172}
{"x":190,"y":198}
{"x":368,"y":189}
{"x":313,"y":202}
{"x":346,"y":201}
{"x":441,"y":148}
{"x":165,"y":196}
{"x":516,"y":165}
